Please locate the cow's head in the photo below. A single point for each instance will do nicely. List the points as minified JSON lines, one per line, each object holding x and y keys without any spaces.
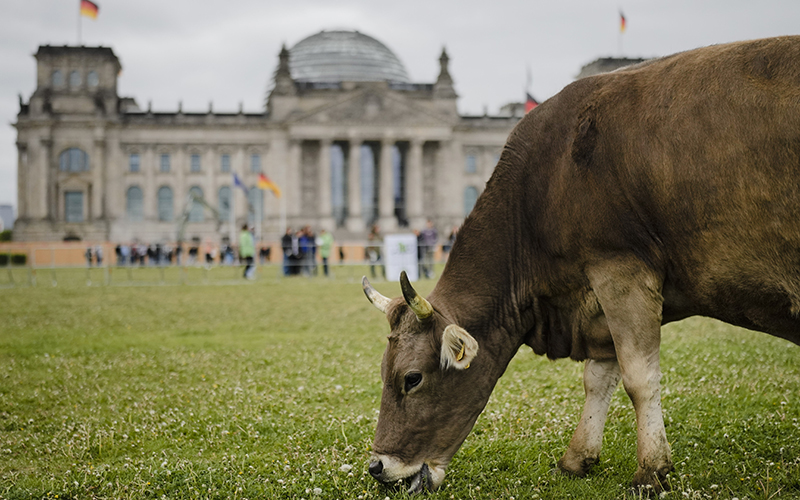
{"x":432,"y":390}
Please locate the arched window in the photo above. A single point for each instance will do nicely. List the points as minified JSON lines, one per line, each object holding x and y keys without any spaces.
{"x":134,"y":203}
{"x":165,"y":204}
{"x":74,"y":79}
{"x":73,"y":160}
{"x":92,"y":79}
{"x":470,"y":197}
{"x":225,"y":200}
{"x":255,"y":198}
{"x":196,"y":212}
{"x":57,"y":78}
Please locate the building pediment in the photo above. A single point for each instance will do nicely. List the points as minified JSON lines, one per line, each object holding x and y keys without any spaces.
{"x":373,"y":107}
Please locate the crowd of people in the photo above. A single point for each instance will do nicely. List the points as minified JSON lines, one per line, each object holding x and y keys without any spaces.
{"x":136,"y":253}
{"x":302,"y":250}
{"x":164,"y":254}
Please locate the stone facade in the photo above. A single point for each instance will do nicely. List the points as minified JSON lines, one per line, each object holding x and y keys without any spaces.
{"x":607,"y":65}
{"x":346,"y":154}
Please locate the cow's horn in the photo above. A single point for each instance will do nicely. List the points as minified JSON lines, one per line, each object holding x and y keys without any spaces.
{"x":374,"y":296}
{"x":421,"y":307}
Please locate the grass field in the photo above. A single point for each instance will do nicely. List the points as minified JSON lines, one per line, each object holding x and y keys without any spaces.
{"x":271,"y":389}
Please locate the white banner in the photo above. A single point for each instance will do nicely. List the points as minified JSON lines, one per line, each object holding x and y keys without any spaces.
{"x":400,"y":254}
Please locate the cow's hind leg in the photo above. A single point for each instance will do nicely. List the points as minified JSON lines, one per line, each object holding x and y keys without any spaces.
{"x":600,"y":379}
{"x":630,"y":296}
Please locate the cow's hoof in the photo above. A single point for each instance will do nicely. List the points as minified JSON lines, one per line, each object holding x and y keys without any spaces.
{"x":574,"y":465}
{"x":654,"y":481}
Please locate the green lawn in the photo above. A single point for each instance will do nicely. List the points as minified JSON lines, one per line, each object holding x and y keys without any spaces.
{"x":271,"y":389}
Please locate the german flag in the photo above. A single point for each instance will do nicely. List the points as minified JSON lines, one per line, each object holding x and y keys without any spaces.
{"x":621,"y":22}
{"x":89,"y":9}
{"x":265,"y":183}
{"x":530,"y":103}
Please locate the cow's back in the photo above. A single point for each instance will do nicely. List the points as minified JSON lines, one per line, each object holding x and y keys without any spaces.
{"x":693,"y":163}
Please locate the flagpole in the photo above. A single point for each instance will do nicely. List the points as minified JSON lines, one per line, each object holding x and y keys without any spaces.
{"x":259,"y":213}
{"x":283,"y":200}
{"x":79,"y":23}
{"x":283,"y":216}
{"x":232,"y":217}
{"x":528,"y":78}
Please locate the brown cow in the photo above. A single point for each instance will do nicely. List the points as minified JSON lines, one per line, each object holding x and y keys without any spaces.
{"x":629,"y":200}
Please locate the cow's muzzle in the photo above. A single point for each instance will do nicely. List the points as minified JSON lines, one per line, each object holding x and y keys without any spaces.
{"x":424,"y":479}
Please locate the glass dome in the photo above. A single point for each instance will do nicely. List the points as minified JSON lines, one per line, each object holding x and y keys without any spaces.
{"x":337,"y":56}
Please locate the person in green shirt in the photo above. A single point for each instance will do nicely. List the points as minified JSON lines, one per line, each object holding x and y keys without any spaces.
{"x":325,"y":245}
{"x":247,"y":250}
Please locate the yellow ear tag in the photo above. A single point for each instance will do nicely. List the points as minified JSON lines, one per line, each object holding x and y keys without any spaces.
{"x":460,"y":355}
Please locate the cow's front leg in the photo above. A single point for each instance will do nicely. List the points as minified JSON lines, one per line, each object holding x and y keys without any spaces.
{"x":641,"y":378}
{"x":600,"y":379}
{"x":629,"y":294}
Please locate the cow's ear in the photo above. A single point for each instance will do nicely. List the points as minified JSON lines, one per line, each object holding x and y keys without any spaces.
{"x":458,"y":348}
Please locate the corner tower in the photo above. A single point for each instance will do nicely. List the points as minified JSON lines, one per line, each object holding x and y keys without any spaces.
{"x":62,"y":144}
{"x":75,"y":80}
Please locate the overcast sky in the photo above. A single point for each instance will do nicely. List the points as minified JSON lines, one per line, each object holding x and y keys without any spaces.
{"x":198,"y":51}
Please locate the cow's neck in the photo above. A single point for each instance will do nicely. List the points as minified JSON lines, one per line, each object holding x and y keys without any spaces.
{"x":486,"y":285}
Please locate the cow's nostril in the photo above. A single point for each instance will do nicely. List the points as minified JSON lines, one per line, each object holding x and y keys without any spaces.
{"x":375,"y":468}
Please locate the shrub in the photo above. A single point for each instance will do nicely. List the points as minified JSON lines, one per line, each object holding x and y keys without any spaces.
{"x":17,"y":259}
{"x":5,"y":235}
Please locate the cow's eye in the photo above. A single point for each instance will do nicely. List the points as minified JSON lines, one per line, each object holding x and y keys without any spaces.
{"x":413,"y":380}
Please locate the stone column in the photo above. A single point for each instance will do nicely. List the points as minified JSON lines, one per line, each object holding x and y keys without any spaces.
{"x":22,"y":180}
{"x":293,"y":178}
{"x":210,"y":192}
{"x":210,"y":166}
{"x":236,"y":196}
{"x":414,"y":186}
{"x":148,"y":166}
{"x":452,"y":193}
{"x":279,"y":158}
{"x":355,"y":221}
{"x":89,"y":202}
{"x":98,"y":166}
{"x":387,"y":220}
{"x":181,"y":185}
{"x":239,"y":204}
{"x":325,"y":213}
{"x":49,"y":168}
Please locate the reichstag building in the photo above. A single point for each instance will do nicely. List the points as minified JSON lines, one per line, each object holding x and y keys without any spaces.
{"x":346,"y":136}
